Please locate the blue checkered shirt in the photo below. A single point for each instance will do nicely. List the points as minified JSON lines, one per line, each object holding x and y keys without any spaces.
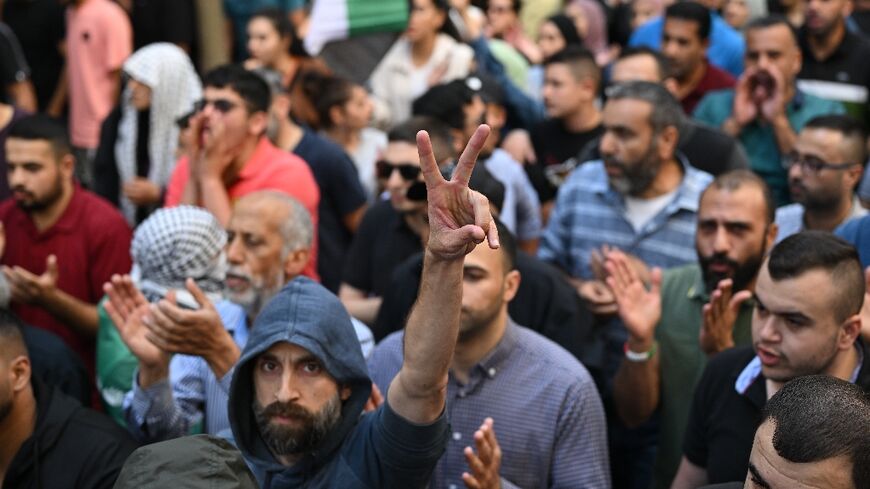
{"x":548,"y":417}
{"x":190,"y":396}
{"x":589,"y":213}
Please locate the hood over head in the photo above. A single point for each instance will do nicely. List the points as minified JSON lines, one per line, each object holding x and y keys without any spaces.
{"x":305,"y":314}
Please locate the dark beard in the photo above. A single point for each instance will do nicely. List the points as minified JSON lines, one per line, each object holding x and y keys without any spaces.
{"x":742,"y":274}
{"x":287,"y":440}
{"x":5,"y":409}
{"x":636,"y":177}
{"x":44,"y":203}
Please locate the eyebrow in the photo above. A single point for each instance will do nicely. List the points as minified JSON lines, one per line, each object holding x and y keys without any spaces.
{"x":785,"y":314}
{"x":757,"y":478}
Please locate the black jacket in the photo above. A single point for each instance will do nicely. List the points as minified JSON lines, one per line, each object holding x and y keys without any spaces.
{"x":71,"y":446}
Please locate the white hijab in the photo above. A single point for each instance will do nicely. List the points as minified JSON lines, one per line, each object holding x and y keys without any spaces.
{"x":175,"y":87}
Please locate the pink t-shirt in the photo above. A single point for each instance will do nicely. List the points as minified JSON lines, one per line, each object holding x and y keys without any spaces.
{"x":98,"y":40}
{"x":269,"y":168}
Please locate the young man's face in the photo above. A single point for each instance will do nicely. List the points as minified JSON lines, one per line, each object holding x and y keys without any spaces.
{"x":227,"y":117}
{"x":773,"y":46}
{"x":297,"y":402}
{"x":683,"y":46}
{"x":399,"y":169}
{"x":823,"y":16}
{"x":732,"y":235}
{"x":486,"y":288}
{"x":826,"y":189}
{"x":768,"y":470}
{"x":36,"y":175}
{"x":795,"y":330}
{"x":563,"y":94}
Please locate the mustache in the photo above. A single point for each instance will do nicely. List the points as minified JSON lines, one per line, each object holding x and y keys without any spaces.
{"x":287,"y":410}
{"x":234,"y":272}
{"x":23,"y":190}
{"x":720,"y":259}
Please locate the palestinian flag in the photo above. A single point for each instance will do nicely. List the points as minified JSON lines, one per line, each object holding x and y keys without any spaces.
{"x":333,"y":20}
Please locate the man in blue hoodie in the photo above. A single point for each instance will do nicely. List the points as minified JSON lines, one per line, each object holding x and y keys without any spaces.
{"x":299,"y":389}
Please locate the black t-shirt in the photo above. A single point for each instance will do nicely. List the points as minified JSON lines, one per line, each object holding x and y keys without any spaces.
{"x":544,"y":302}
{"x":163,"y":21}
{"x":340,"y":194}
{"x":553,"y":146}
{"x":40,"y":26}
{"x":722,"y":422}
{"x":13,"y":65}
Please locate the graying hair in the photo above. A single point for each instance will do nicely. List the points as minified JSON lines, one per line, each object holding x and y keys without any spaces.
{"x":297,"y":228}
{"x":666,"y":110}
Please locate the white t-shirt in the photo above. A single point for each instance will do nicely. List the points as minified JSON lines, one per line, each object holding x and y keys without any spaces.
{"x":641,"y":211}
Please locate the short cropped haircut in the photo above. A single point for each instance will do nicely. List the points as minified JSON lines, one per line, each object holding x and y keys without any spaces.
{"x":666,"y":111}
{"x":693,"y":12}
{"x":508,"y":244}
{"x":250,"y":86}
{"x":439,"y":134}
{"x":40,"y":127}
{"x":11,"y":335}
{"x":662,"y":63}
{"x":813,"y":250}
{"x":818,"y":417}
{"x":580,"y":61}
{"x":772,"y":21}
{"x":854,"y":133}
{"x":735,"y":179}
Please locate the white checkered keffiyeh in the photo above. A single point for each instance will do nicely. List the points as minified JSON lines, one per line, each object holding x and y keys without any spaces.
{"x":180,"y":242}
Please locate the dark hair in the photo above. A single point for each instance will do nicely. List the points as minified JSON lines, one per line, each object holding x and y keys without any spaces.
{"x":694,"y":12}
{"x":852,"y":130}
{"x":567,"y":28}
{"x":250,"y":86}
{"x":580,"y":61}
{"x":818,"y":417}
{"x":811,"y":250}
{"x":447,"y":27}
{"x":439,"y":134}
{"x":735,"y":179}
{"x":666,"y":111}
{"x":516,"y":6}
{"x":662,"y":63}
{"x":282,"y":25}
{"x":508,"y":244}
{"x":11,"y":333}
{"x":42,"y":127}
{"x":772,"y":21}
{"x":445,"y":102}
{"x":326,"y":92}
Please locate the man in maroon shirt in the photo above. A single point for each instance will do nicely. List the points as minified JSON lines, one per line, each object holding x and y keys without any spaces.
{"x":685,"y":38}
{"x":61,"y":241}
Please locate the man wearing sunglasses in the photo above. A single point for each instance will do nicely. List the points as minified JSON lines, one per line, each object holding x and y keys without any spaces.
{"x":823,"y":170}
{"x":230,"y":155}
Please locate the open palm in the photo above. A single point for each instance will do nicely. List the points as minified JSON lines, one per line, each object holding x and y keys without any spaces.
{"x":127,"y":308}
{"x":640,"y":309}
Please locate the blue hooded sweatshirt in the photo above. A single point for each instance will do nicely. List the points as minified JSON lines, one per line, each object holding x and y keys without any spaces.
{"x":373,"y":450}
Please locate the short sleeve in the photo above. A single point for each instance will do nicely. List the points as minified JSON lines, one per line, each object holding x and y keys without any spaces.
{"x":13,"y":65}
{"x":118,"y":38}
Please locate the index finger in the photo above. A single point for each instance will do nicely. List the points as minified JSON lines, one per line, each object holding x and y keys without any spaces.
{"x":431,"y":174}
{"x":469,"y":155}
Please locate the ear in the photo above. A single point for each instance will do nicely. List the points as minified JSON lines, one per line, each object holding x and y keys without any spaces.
{"x":336,"y":113}
{"x":344,"y":392}
{"x":20,"y":371}
{"x":849,"y":331}
{"x":588,"y":85}
{"x":296,"y":262}
{"x":668,"y":139}
{"x":257,"y":123}
{"x":511,"y":285}
{"x":496,"y":117}
{"x":458,"y":140}
{"x":67,"y":165}
{"x":853,"y":176}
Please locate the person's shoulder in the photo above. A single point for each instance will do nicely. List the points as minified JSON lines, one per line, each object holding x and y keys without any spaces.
{"x":321,"y":150}
{"x":790,"y":211}
{"x":89,"y":430}
{"x":562,"y":367}
{"x":722,"y":97}
{"x":680,"y":275}
{"x":586,"y":176}
{"x":100,"y":213}
{"x":7,"y":207}
{"x":724,"y":365}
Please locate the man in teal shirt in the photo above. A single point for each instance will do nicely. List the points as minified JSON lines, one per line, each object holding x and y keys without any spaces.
{"x":765,"y":111}
{"x":692,"y":312}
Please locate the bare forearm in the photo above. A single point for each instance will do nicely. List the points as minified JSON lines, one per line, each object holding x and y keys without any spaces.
{"x":430,"y":338}
{"x":365,"y":309}
{"x":224,"y":356}
{"x":152,"y":374}
{"x":215,"y":199}
{"x":79,"y":315}
{"x":58,"y":98}
{"x":636,"y":390}
{"x":785,"y":135}
{"x":23,"y":95}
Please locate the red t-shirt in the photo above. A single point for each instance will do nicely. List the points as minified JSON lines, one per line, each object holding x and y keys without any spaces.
{"x":91,"y":241}
{"x":714,"y":79}
{"x":268,"y":169}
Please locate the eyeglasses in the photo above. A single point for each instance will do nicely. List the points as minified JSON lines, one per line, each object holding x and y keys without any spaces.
{"x":408,"y":171}
{"x":221,"y":105}
{"x":811,"y":164}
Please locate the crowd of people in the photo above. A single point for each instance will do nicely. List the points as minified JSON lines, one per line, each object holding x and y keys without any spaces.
{"x":536,"y":244}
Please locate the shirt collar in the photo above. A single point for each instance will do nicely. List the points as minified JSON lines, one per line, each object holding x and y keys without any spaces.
{"x":687,"y":194}
{"x":698,"y":289}
{"x":491,"y":363}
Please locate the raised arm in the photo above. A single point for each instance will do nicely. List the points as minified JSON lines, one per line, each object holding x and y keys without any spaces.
{"x":459,"y":220}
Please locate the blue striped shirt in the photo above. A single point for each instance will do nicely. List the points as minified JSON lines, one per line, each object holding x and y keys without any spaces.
{"x":548,"y":417}
{"x":190,"y":396}
{"x":589,"y":214}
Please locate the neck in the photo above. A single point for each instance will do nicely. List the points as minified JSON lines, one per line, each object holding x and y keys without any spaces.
{"x":795,"y":14}
{"x":584,"y":119}
{"x":286,"y":65}
{"x":5,"y":114}
{"x":842,"y":367}
{"x":827,"y":219}
{"x":667,"y":180}
{"x":289,"y":135}
{"x":691,"y":80}
{"x":470,"y":351}
{"x":422,"y":49}
{"x":46,"y":218}
{"x":17,"y":427}
{"x":346,"y":137}
{"x":823,"y":46}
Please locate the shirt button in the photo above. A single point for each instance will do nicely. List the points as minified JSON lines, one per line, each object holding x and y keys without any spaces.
{"x":491,"y":372}
{"x":457,"y":435}
{"x":452,"y":486}
{"x":462,"y":394}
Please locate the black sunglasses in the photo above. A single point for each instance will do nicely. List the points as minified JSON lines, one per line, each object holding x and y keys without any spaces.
{"x":408,"y":171}
{"x":221,"y":105}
